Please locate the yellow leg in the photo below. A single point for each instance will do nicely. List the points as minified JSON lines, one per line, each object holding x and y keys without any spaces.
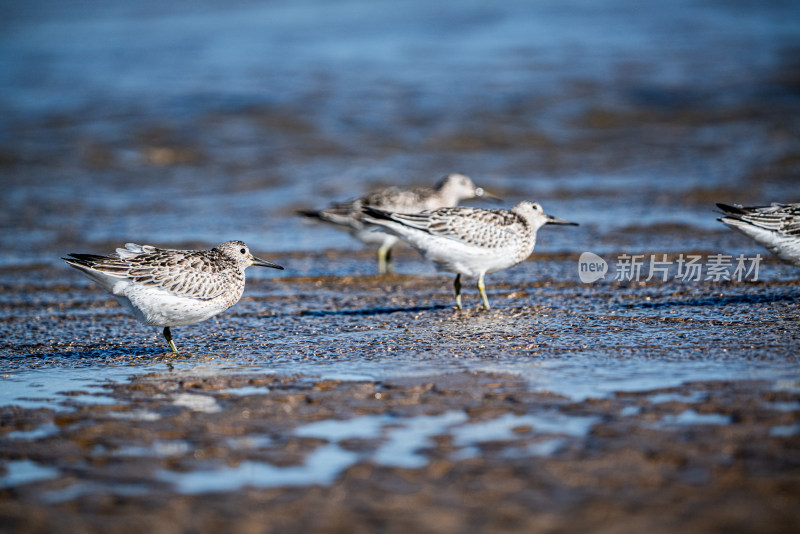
{"x":168,"y":337}
{"x":457,"y":286}
{"x":482,"y":289}
{"x":385,"y":259}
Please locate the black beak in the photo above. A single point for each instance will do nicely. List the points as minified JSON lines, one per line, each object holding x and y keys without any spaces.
{"x":483,"y":193}
{"x":265,"y":263}
{"x":556,"y":220}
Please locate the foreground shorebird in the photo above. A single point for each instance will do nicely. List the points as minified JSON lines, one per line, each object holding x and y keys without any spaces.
{"x":776,"y":227}
{"x":469,"y":241}
{"x":349,"y":216}
{"x":164,"y":287}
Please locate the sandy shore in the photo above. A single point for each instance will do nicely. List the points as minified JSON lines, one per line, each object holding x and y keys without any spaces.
{"x":464,"y":452}
{"x":362,"y":404}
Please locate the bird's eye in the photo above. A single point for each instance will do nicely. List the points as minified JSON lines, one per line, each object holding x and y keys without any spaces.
{"x":243,"y":251}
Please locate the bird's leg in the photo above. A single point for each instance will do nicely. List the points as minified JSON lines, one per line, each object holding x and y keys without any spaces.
{"x":457,"y":286}
{"x":385,"y":259}
{"x":482,"y":289}
{"x":168,"y":337}
{"x":389,"y":266}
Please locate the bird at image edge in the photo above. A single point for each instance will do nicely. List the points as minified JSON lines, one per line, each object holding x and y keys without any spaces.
{"x":775,"y":227}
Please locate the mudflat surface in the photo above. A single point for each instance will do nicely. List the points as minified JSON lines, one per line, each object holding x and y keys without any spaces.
{"x":459,"y":452}
{"x":355,"y":404}
{"x":330,"y":399}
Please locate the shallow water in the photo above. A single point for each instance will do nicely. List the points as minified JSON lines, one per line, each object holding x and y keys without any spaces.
{"x":153,"y":124}
{"x":568,"y":338}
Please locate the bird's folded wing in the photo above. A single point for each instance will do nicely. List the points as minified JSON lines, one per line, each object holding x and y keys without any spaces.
{"x":782,"y":218}
{"x":190,"y":274}
{"x":486,"y":228}
{"x":395,"y":199}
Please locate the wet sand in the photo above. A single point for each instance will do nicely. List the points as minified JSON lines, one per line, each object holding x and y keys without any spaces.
{"x":356,"y":404}
{"x":713,"y":456}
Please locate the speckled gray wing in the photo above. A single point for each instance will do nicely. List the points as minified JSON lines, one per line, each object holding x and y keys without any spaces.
{"x":478,"y":227}
{"x":397,"y":200}
{"x":342,"y":213}
{"x":350,"y":213}
{"x":782,"y":218}
{"x":188,"y":273}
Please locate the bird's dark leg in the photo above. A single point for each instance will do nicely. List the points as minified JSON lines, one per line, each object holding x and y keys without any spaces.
{"x":385,"y":259}
{"x":457,"y":286}
{"x":168,"y":337}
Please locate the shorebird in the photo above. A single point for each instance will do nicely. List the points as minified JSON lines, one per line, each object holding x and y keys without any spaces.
{"x":164,"y":287}
{"x":776,"y":227}
{"x":349,"y":216}
{"x":469,"y":241}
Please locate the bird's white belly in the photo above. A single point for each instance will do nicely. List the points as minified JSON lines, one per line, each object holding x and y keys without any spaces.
{"x":786,"y":248}
{"x":372,"y":235}
{"x":156,"y":307}
{"x":468,"y":260}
